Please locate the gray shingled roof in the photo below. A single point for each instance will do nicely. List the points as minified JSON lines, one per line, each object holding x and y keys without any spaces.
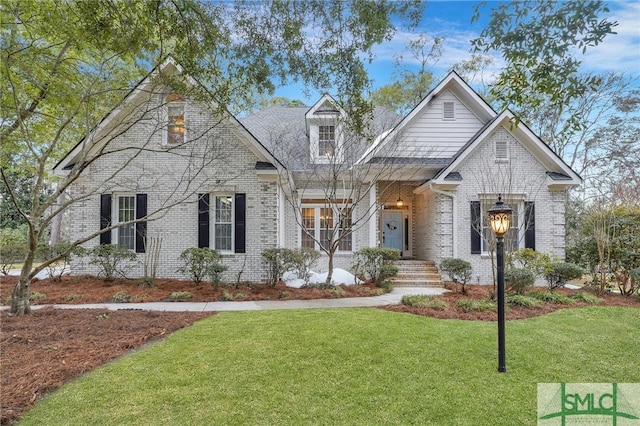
{"x":283,"y":131}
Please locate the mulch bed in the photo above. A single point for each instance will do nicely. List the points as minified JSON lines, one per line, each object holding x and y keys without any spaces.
{"x":512,"y":313}
{"x":85,"y":289}
{"x":42,"y":351}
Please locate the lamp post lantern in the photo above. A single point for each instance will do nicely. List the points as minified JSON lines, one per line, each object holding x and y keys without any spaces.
{"x":500,"y":220}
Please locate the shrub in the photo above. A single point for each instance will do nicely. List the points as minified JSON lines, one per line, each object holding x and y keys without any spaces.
{"x":71,"y":297}
{"x":63,"y":252}
{"x":423,"y":301}
{"x":522,"y":300}
{"x":386,"y":285}
{"x":532,"y":260}
{"x":36,"y":297}
{"x":471,"y":305}
{"x":559,"y":273}
{"x":517,"y":280}
{"x":284,"y":294}
{"x":179,"y":296}
{"x":277,"y":261}
{"x":338,"y":292}
{"x":146,"y":282}
{"x":547,"y":296}
{"x":112,"y":260}
{"x":303,"y":261}
{"x":374,"y":264}
{"x":586,"y":297}
{"x":226,"y":296}
{"x":200,"y":263}
{"x":13,"y":248}
{"x":121,"y":297}
{"x":458,"y":270}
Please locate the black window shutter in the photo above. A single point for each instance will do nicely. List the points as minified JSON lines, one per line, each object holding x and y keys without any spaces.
{"x":141,"y":227}
{"x":240,"y":223}
{"x":203,"y":220}
{"x":105,"y":218}
{"x":530,"y":225}
{"x":476,"y":228}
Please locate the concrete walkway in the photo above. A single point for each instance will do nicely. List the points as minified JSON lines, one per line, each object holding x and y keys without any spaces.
{"x":349,"y":302}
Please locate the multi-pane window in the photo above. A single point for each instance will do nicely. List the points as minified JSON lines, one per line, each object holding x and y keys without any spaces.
{"x":309,"y":224}
{"x":345,"y":230}
{"x":319,"y":224}
{"x":127,"y":212}
{"x":512,"y":238}
{"x":326,"y":141}
{"x":175,"y":126}
{"x":223,"y":223}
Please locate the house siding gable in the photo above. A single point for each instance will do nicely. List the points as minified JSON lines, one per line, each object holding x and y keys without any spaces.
{"x":429,"y":135}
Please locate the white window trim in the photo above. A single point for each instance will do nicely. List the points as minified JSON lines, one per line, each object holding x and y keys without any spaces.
{"x":165,"y":118}
{"x":115,"y":215}
{"x":314,"y":141}
{"x":444,"y":115}
{"x":212,"y":222}
{"x":317,"y":229}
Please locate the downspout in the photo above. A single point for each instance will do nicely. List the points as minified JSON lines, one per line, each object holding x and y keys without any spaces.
{"x":454,"y":216}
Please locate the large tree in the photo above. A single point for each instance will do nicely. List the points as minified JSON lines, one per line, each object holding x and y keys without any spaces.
{"x":65,"y":64}
{"x":541,"y":42}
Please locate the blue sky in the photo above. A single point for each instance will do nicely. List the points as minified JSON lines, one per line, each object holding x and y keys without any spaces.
{"x":452,"y":20}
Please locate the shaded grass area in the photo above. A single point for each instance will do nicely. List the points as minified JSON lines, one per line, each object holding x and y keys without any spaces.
{"x":349,"y":366}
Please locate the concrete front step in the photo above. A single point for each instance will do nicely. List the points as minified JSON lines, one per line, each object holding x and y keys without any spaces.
{"x":417,"y":273}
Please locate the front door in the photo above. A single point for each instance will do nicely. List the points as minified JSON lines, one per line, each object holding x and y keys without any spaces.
{"x":392,"y":229}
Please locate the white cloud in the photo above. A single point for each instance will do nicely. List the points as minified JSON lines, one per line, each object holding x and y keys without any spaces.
{"x":621,"y":51}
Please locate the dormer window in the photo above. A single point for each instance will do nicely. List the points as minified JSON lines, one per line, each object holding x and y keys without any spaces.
{"x":175,"y":111}
{"x":326,"y":141}
{"x":448,"y":110}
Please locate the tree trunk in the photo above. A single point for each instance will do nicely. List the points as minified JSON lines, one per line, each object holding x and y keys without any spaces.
{"x":330,"y":270}
{"x":20,"y":304}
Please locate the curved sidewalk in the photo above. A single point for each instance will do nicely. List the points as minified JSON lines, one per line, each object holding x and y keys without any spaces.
{"x":349,"y":302}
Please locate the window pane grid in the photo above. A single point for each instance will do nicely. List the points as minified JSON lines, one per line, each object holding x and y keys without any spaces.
{"x":126,"y":213}
{"x":326,"y":140}
{"x":308,"y":224}
{"x":223,"y":223}
{"x":175,"y":129}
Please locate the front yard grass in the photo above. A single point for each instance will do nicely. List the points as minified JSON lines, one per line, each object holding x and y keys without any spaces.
{"x":349,"y":366}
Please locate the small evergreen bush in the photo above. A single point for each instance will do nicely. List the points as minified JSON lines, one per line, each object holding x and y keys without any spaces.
{"x":200,"y":263}
{"x":375,"y":264}
{"x":458,"y":270}
{"x":559,"y":273}
{"x":112,"y":260}
{"x":517,"y":280}
{"x":277,"y":261}
{"x":37,"y":297}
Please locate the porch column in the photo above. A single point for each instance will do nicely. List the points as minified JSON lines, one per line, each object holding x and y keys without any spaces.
{"x":373,"y":216}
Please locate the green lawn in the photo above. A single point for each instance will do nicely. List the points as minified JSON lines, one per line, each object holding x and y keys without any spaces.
{"x":349,"y":366}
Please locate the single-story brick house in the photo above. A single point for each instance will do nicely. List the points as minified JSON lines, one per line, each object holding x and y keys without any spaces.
{"x":190,"y":175}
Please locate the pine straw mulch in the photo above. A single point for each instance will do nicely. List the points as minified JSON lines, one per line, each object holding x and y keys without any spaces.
{"x":87,"y":289}
{"x":41,"y":351}
{"x":482,"y":292}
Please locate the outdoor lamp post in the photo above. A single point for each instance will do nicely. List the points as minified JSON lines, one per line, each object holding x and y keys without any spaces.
{"x":500,"y":220}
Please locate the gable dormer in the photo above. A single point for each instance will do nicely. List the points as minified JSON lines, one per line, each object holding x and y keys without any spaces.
{"x":324,"y":130}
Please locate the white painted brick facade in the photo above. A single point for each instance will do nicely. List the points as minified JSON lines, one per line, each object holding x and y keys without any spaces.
{"x":218,"y":162}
